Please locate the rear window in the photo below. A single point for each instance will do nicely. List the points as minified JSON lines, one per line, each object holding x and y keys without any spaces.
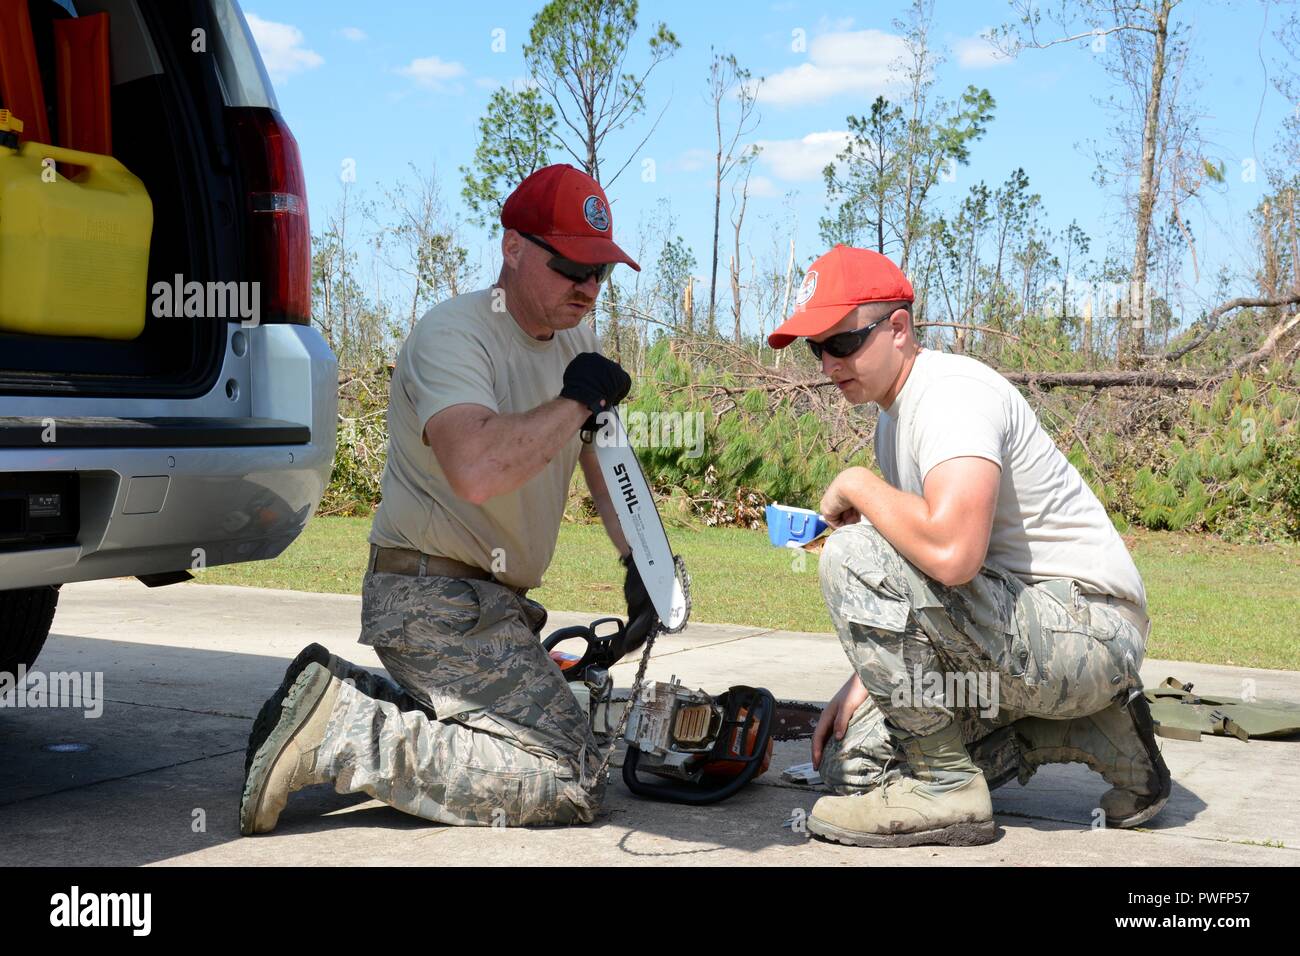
{"x":239,"y":67}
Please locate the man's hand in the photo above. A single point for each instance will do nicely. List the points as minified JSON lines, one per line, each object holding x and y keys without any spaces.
{"x":836,"y":507}
{"x":634,"y":592}
{"x":596,"y":383}
{"x":835,"y":718}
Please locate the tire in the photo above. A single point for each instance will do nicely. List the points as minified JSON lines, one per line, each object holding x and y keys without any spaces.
{"x":25,"y":619}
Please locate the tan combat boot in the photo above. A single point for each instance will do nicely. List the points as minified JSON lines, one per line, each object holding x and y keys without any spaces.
{"x":946,"y":801}
{"x":372,"y":685}
{"x":1118,"y":742}
{"x":286,"y":759}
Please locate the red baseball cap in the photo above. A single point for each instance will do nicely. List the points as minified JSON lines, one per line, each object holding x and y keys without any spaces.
{"x":567,"y":209}
{"x":835,"y":285}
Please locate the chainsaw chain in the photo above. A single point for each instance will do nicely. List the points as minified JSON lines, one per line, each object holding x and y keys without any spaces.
{"x":796,"y":732}
{"x":639,"y":680}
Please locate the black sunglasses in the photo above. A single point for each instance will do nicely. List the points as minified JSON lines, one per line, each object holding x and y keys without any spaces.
{"x":845,"y":343}
{"x":578,"y":272}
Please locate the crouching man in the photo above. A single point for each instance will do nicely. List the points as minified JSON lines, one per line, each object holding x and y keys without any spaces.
{"x":488,"y":397}
{"x":982,"y":561}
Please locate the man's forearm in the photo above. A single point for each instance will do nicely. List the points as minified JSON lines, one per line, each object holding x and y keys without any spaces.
{"x":510,"y":450}
{"x":904,"y":519}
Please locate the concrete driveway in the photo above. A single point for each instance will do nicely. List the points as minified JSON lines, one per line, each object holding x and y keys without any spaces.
{"x":156,"y":778}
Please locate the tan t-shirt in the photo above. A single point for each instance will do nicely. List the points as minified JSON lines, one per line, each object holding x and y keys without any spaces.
{"x":463,"y":351}
{"x":1047,"y":523}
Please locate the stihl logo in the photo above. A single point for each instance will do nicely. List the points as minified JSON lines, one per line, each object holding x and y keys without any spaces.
{"x":625,"y":485}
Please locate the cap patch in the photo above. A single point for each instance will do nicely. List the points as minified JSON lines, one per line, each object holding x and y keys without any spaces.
{"x":807,"y":289}
{"x":594,"y":211}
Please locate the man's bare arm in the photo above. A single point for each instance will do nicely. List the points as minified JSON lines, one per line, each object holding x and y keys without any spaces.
{"x":485,"y":454}
{"x":945,"y":533}
{"x":600,"y":495}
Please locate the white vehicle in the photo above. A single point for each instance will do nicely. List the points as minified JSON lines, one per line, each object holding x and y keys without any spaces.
{"x":204,"y":440}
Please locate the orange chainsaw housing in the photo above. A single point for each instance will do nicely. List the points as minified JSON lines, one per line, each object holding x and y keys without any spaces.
{"x":722,"y":769}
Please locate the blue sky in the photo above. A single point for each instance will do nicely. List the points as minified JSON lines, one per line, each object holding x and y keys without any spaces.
{"x":388,"y":84}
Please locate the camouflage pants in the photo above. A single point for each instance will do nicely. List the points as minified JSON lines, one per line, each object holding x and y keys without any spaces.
{"x":983,"y":654}
{"x":497,"y":737}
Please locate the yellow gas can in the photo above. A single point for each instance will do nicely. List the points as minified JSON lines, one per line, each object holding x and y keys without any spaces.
{"x":74,"y":253}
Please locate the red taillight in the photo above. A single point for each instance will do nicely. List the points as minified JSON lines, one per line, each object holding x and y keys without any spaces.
{"x":279,"y":234}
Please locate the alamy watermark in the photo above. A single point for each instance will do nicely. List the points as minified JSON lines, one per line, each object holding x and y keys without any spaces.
{"x":208,"y":300}
{"x":74,"y":908}
{"x":52,"y":690}
{"x":654,"y":430}
{"x":949,"y":689}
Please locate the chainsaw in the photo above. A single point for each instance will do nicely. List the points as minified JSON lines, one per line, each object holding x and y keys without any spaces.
{"x":702,"y":748}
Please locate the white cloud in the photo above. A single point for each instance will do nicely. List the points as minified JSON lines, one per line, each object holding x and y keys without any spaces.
{"x":282,"y":49}
{"x":432,"y":72}
{"x":840,"y":62}
{"x":977,"y":53}
{"x":801,"y":160}
{"x":355,"y":34}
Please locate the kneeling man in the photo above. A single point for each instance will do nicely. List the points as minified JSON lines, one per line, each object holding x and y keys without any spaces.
{"x":982,"y":561}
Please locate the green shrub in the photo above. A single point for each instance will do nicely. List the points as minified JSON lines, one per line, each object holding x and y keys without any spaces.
{"x":1229,"y":466}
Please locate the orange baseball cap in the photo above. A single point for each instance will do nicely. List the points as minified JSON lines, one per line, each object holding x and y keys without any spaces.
{"x":835,"y":285}
{"x":567,"y":209}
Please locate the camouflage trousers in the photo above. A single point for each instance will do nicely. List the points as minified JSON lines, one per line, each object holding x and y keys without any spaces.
{"x":490,"y":735}
{"x":983,"y":654}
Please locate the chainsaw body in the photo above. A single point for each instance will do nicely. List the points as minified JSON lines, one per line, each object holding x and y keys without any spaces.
{"x":701,"y":748}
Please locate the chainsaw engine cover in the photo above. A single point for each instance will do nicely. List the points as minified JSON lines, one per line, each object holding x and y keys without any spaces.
{"x":704,"y":748}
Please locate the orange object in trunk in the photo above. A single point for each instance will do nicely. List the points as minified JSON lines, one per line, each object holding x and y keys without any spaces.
{"x":85,"y":108}
{"x":20,"y":75}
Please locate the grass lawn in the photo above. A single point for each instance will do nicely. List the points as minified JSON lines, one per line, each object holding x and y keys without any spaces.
{"x":1210,"y":601}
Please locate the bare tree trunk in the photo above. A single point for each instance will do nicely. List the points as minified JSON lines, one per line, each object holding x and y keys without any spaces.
{"x":1212,"y":320}
{"x":734,"y":269}
{"x":725,"y":74}
{"x":738,"y":222}
{"x":612,"y":328}
{"x":1295,"y":245}
{"x":1087,"y":330}
{"x":713,"y":274}
{"x":717,"y":214}
{"x":880,"y":222}
{"x":785,"y":298}
{"x":1285,"y":325}
{"x":1106,"y":379}
{"x":345,"y":337}
{"x":1146,"y":187}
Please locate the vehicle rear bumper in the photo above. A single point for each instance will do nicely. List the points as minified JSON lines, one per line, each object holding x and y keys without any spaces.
{"x":214,"y":506}
{"x":157,"y":507}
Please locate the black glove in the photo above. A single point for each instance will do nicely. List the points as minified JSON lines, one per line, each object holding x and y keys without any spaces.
{"x":595,"y":382}
{"x":634,"y":592}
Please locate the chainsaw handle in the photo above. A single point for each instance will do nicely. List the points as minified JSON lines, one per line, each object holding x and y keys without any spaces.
{"x":599,"y":652}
